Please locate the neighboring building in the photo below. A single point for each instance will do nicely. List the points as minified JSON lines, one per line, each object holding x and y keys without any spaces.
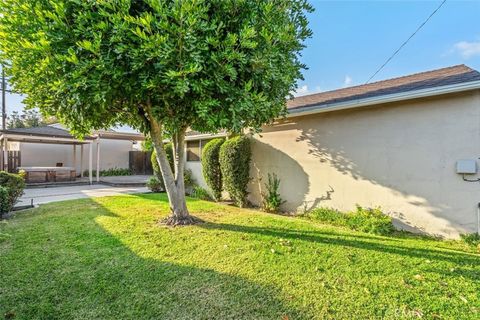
{"x":392,"y":143}
{"x":53,"y":146}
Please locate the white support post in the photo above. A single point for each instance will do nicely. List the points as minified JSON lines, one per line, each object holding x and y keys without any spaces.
{"x":90,"y":156}
{"x":98,"y":159}
{"x":2,"y":151}
{"x":81,"y":161}
{"x":75,"y":159}
{"x":5,"y":154}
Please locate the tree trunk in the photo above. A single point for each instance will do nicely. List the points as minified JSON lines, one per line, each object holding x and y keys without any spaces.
{"x":174,"y":181}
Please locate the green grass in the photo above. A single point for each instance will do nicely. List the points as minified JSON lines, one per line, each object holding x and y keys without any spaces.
{"x":108,"y":258}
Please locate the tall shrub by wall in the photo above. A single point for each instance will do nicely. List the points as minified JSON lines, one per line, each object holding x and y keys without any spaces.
{"x":211,"y":167}
{"x":235,"y":155}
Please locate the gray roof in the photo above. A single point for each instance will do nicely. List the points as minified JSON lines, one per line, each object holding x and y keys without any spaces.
{"x":424,"y":80}
{"x":46,"y":131}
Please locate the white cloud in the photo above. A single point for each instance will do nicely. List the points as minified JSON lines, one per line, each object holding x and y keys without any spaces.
{"x":305,"y":90}
{"x":467,"y":49}
{"x":301,"y":91}
{"x":348,"y":81}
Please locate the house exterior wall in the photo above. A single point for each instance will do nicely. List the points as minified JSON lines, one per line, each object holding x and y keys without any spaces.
{"x":113,"y":154}
{"x":399,"y":156}
{"x":196,"y":168}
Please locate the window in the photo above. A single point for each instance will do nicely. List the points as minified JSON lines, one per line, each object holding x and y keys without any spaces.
{"x":193,"y":150}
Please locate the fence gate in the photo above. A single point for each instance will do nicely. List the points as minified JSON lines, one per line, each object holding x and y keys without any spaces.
{"x":139,"y":162}
{"x":14,"y":161}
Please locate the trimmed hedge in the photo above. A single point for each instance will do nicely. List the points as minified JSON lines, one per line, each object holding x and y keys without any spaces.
{"x":12,"y":189}
{"x":211,"y":167}
{"x":235,"y":156}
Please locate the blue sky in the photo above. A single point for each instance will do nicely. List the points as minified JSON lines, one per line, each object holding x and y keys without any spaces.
{"x":351,"y":39}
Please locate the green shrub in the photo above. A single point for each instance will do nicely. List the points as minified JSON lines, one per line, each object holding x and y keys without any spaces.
{"x":201,"y":193}
{"x":370,"y":220}
{"x":472,"y":239}
{"x":155,"y":185}
{"x":14,"y":185}
{"x":211,"y":167}
{"x":112,"y":172}
{"x":235,"y":155}
{"x":188,"y":179}
{"x":4,"y":202}
{"x":271,"y":199}
{"x":329,"y":215}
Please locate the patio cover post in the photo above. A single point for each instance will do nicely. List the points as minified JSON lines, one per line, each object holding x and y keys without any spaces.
{"x":98,"y":159}
{"x":81,"y":161}
{"x":5,"y":154}
{"x":75,"y":158}
{"x":2,"y":156}
{"x":90,"y":163}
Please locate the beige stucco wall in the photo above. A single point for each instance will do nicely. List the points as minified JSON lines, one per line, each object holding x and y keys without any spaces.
{"x":113,"y":154}
{"x":196,"y":168}
{"x":399,"y":156}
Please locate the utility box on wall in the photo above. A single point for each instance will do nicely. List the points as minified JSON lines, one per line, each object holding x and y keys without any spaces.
{"x":467,"y":166}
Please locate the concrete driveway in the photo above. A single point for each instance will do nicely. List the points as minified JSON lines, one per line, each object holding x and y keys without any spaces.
{"x":52,"y":194}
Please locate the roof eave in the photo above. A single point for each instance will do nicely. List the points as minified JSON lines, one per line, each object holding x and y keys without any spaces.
{"x":408,"y":95}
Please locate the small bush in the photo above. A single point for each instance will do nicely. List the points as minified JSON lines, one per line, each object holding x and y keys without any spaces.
{"x":472,"y":239}
{"x":271,"y":198}
{"x":155,"y":185}
{"x":188,"y":179}
{"x":370,"y":220}
{"x":329,"y":215}
{"x":201,"y":193}
{"x":4,"y":202}
{"x":112,"y":172}
{"x":211,"y":167}
{"x":235,"y":155}
{"x":14,"y":185}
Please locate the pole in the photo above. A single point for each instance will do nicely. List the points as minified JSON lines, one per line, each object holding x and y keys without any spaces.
{"x":4,"y":105}
{"x":90,"y":163}
{"x":98,"y":159}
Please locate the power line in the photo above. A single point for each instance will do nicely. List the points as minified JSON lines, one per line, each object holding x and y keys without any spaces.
{"x":406,"y":41}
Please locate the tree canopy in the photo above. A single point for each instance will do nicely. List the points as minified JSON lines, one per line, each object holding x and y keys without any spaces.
{"x":28,"y":119}
{"x":210,"y":65}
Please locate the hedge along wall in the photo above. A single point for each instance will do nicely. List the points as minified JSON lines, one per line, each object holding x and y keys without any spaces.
{"x":211,"y":167}
{"x":235,"y":155}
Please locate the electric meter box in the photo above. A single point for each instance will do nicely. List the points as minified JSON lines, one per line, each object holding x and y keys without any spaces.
{"x":466,"y":166}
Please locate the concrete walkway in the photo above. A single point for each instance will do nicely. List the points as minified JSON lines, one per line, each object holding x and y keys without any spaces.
{"x":45,"y":195}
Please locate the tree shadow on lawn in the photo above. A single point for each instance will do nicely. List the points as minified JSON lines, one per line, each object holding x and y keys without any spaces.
{"x":381,"y":245}
{"x":75,"y":268}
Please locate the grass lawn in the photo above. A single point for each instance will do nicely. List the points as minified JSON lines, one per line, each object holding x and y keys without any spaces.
{"x":107,"y":258}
